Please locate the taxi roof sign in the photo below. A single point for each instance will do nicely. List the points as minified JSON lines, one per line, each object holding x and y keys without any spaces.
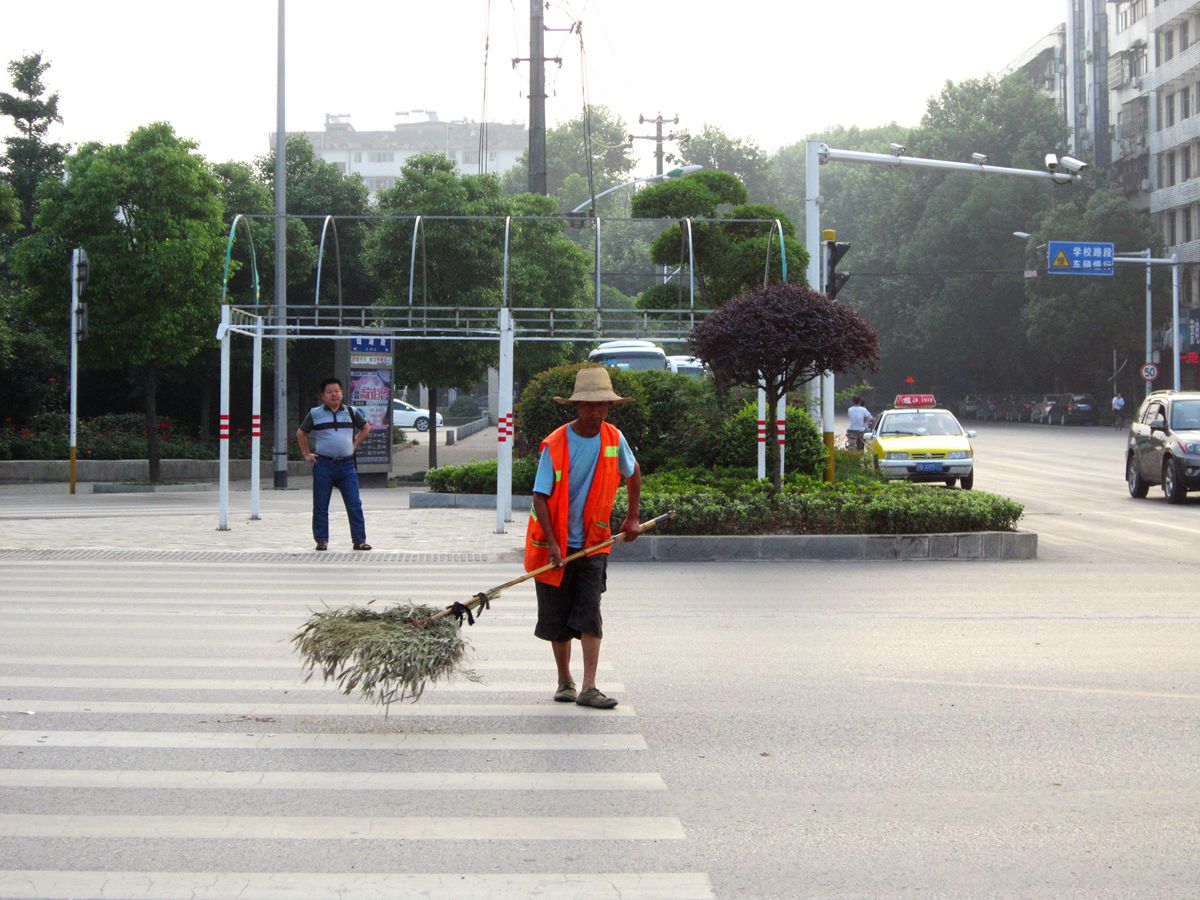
{"x":915,"y":400}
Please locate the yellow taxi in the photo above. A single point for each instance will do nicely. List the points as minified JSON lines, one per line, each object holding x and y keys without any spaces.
{"x":916,"y":441}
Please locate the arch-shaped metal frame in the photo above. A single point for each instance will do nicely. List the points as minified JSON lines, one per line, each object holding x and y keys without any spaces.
{"x":782,"y":254}
{"x":419,"y":228}
{"x":253,"y":258}
{"x":337,"y":255}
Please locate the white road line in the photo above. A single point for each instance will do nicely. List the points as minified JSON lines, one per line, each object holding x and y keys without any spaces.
{"x":206,"y":662}
{"x":221,"y":740}
{"x":101,"y":626}
{"x":172,"y":779}
{"x":1049,"y":688}
{"x":460,"y":685}
{"x":279,"y":710}
{"x":61,"y":885}
{"x":358,"y":828}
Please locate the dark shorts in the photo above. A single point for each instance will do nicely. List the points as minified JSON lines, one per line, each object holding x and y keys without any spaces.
{"x":573,"y":608}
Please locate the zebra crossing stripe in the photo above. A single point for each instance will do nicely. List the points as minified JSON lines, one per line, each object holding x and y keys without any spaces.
{"x":213,"y":684}
{"x":358,"y":828}
{"x":183,"y":779}
{"x":61,"y":885}
{"x":405,"y":741}
{"x":349,"y":708}
{"x":283,"y":661}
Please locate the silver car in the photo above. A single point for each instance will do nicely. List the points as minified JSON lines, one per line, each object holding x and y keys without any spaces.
{"x":1164,"y":445}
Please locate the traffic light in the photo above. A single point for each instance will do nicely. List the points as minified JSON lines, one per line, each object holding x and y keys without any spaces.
{"x":834,"y":280}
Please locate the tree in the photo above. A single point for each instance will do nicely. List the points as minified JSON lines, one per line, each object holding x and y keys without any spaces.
{"x":779,"y":337}
{"x":1073,"y":323}
{"x":149,"y":215}
{"x":729,"y":256}
{"x":714,"y":149}
{"x":28,"y":158}
{"x":567,"y":157}
{"x":462,"y":266}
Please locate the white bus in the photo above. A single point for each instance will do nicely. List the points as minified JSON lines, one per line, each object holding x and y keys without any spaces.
{"x":630,"y":355}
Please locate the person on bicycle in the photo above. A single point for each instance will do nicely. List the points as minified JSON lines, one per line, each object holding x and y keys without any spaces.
{"x":860,"y":420}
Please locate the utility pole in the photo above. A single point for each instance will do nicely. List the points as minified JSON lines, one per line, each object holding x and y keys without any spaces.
{"x":279,"y":453}
{"x":657,"y":137}
{"x":537,"y":96}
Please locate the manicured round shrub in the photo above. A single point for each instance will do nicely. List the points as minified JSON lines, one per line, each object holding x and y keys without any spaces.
{"x":537,"y":414}
{"x":737,"y":444}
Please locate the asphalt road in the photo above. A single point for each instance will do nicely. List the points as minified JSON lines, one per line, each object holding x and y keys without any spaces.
{"x":815,"y":729}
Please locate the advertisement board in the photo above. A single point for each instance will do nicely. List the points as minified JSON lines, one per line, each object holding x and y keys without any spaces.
{"x":371,"y":393}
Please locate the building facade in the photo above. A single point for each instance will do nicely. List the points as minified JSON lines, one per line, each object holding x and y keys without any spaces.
{"x":378,"y":156}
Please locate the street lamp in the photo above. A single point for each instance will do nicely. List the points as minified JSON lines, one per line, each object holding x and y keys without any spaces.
{"x":677,"y":172}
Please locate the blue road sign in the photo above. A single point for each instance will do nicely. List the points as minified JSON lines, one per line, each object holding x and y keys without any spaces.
{"x":1079,"y":258}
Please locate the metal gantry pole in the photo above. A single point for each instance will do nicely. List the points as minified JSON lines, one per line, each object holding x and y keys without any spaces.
{"x":256,"y":422}
{"x":74,"y":359}
{"x":223,"y":420}
{"x":1149,"y":317}
{"x":504,"y":431}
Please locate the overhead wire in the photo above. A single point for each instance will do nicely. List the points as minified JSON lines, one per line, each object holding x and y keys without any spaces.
{"x":483,"y":116}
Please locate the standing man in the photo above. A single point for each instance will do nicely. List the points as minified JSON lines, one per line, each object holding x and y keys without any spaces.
{"x":1118,"y":408}
{"x":339,"y":430}
{"x":860,"y":418}
{"x":579,"y":471}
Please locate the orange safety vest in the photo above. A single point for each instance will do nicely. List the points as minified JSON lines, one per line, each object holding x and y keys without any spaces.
{"x":596,"y":512}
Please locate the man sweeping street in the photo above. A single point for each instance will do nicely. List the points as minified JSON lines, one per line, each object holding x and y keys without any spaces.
{"x":579,"y":471}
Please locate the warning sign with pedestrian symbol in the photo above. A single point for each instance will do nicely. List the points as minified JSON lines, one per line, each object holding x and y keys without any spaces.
{"x":1079,"y":258}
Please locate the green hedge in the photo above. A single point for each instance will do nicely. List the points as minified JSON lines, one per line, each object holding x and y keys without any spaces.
{"x":806,"y":507}
{"x":113,"y":436}
{"x":479,"y":477}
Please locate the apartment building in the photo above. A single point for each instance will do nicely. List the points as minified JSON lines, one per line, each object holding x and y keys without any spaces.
{"x":378,"y":156}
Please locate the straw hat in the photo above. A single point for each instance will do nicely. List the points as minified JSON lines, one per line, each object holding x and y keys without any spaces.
{"x":592,"y":385}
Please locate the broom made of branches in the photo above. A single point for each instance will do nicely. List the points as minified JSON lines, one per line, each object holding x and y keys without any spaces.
{"x":390,"y":654}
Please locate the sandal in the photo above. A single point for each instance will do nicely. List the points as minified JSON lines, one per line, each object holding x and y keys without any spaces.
{"x":322,"y":545}
{"x":566,"y":692}
{"x":362,"y":546}
{"x":596,"y":700}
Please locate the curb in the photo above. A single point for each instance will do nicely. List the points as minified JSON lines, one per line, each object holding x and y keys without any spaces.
{"x":431,"y":500}
{"x":104,"y":488}
{"x":988,"y":545}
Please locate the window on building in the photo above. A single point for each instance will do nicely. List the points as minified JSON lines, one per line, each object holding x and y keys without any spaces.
{"x":1186,"y":214}
{"x":358,"y":156}
{"x":470,"y":157}
{"x":1185,"y":104}
{"x":1168,"y":169}
{"x":1183,"y":35}
{"x":1170,"y":220}
{"x":1168,"y":44}
{"x":1168,"y":108}
{"x":381,"y":156}
{"x":1185,"y":163}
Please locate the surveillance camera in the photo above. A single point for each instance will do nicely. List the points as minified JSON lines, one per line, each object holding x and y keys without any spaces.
{"x":897,"y":149}
{"x":980,"y":158}
{"x":1051,"y":162}
{"x":1072,"y":165}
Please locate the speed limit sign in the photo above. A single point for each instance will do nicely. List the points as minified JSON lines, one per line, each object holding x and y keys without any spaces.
{"x":1149,"y":371}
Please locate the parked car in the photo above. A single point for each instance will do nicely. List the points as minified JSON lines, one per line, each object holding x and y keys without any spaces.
{"x":1164,"y":445}
{"x":405,"y":415}
{"x":916,"y":441}
{"x":1044,"y":410}
{"x":1076,"y":409}
{"x":968,"y":408}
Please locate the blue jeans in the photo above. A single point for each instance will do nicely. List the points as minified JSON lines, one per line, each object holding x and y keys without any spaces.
{"x":343,"y":474}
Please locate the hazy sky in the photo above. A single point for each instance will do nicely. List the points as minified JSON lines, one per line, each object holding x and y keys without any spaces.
{"x":768,"y":70}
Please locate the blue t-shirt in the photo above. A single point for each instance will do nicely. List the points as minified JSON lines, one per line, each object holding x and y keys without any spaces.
{"x":583,"y":455}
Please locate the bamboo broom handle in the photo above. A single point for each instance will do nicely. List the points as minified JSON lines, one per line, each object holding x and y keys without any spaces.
{"x":645,"y":526}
